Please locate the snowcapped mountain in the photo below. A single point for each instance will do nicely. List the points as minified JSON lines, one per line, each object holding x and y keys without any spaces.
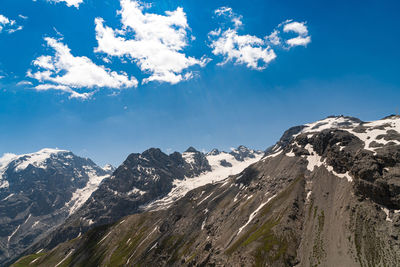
{"x":38,"y":191}
{"x":151,"y":180}
{"x":327,"y":194}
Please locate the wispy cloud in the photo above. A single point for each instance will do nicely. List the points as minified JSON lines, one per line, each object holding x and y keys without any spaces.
{"x":24,"y":83}
{"x":9,"y":25}
{"x":157,"y":44}
{"x":66,"y":72}
{"x":22,"y":16}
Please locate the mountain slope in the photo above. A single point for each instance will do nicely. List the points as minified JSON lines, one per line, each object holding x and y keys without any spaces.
{"x":38,"y":191}
{"x":326,"y":195}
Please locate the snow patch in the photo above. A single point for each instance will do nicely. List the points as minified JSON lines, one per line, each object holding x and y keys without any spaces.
{"x":34,"y":260}
{"x":136,"y":191}
{"x":27,"y":219}
{"x":203,"y":223}
{"x":255,"y":213}
{"x":308,"y":197}
{"x":279,"y":151}
{"x":66,"y":257}
{"x":387,"y":212}
{"x":13,"y":233}
{"x":290,"y":154}
{"x":315,"y":160}
{"x":104,"y":237}
{"x":155,"y":245}
{"x":10,"y":195}
{"x":205,"y":198}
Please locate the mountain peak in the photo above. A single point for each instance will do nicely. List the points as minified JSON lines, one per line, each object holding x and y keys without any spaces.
{"x":191,"y":149}
{"x":22,"y":161}
{"x":242,"y":148}
{"x":214,"y":152}
{"x":109,"y":168}
{"x":152,"y":151}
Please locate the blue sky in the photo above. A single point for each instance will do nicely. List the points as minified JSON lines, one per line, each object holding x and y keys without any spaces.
{"x":346,"y":62}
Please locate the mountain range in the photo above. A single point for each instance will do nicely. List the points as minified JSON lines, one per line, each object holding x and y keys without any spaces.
{"x":326,"y":194}
{"x":73,"y":194}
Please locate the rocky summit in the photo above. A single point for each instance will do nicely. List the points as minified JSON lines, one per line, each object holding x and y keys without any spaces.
{"x":327,"y":194}
{"x":38,"y":191}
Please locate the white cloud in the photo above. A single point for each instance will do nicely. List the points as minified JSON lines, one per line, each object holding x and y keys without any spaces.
{"x":274,"y":38}
{"x":301,"y":29}
{"x":66,"y":72}
{"x":288,"y":27}
{"x":69,"y":3}
{"x":22,"y":16}
{"x":9,"y":25}
{"x":4,"y":20}
{"x":240,"y":49}
{"x":157,"y":44}
{"x":250,"y":50}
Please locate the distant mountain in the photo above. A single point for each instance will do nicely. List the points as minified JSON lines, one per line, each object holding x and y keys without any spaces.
{"x":327,"y":194}
{"x":150,"y":180}
{"x":38,"y":191}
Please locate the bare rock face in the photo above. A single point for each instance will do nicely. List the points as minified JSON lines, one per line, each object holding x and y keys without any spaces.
{"x":325,"y":195}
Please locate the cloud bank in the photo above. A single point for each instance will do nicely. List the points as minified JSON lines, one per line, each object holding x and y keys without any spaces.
{"x":156,"y":44}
